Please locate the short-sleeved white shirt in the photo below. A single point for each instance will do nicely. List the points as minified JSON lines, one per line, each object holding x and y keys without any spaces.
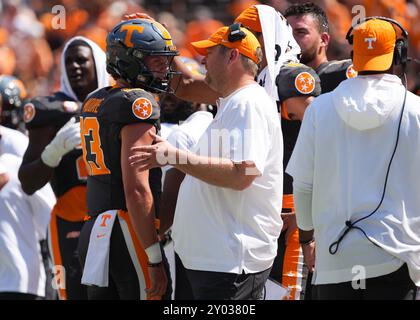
{"x":223,"y":230}
{"x":187,"y":134}
{"x":166,"y":129}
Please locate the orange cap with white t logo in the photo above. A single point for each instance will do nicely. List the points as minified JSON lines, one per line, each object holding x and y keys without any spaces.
{"x":373,"y":45}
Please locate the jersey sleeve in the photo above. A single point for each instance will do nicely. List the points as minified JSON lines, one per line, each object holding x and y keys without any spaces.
{"x":334,"y":72}
{"x":45,"y":111}
{"x":133,"y":106}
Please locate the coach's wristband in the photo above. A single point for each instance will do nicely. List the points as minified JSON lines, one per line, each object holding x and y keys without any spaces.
{"x":154,"y":265}
{"x":305,"y":243}
{"x":154,"y":254}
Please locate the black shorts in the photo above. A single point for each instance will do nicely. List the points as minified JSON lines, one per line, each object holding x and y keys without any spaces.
{"x":394,"y":286}
{"x":208,"y":285}
{"x":19,"y":296}
{"x":183,"y":290}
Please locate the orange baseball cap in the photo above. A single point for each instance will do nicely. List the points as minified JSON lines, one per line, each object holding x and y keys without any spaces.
{"x":250,"y":19}
{"x":373,"y":45}
{"x":247,"y":46}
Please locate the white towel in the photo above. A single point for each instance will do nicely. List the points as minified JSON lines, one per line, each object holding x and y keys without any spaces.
{"x":99,"y":57}
{"x":96,"y":267}
{"x":278,"y":32}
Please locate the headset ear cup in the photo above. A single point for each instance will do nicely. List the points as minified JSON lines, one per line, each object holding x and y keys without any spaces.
{"x":400,"y":52}
{"x":397,"y":51}
{"x":404,"y":51}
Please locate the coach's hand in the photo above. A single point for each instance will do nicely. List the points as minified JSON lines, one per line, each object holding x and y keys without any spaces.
{"x":309,"y":255}
{"x":141,"y":15}
{"x":137,"y":15}
{"x":156,"y":155}
{"x":158,"y":282}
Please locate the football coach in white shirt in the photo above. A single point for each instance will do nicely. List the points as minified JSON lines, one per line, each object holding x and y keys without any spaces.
{"x":227,"y":218}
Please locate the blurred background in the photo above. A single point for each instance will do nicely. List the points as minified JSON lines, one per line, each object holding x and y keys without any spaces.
{"x":30,"y":47}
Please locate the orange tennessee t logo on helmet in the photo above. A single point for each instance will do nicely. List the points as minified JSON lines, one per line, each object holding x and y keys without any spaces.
{"x":142,"y":108}
{"x":130,"y":29}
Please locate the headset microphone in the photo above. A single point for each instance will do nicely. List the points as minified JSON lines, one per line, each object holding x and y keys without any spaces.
{"x":413,"y":60}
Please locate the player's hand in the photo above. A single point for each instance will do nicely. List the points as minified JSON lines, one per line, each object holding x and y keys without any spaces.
{"x":66,"y":139}
{"x":309,"y":255}
{"x":289,"y":224}
{"x":137,"y":15}
{"x":158,"y":282}
{"x":156,"y":155}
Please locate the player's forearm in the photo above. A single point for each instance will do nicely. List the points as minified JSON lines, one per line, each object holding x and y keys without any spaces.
{"x":34,"y":175}
{"x":191,"y":87}
{"x":141,"y":211}
{"x":219,"y":172}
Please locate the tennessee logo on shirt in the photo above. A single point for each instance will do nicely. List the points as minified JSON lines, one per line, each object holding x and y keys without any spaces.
{"x":28,"y":112}
{"x":350,"y":72}
{"x":142,"y":108}
{"x":305,"y":83}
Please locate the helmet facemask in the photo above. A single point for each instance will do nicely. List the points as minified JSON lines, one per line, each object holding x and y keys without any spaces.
{"x":146,"y":77}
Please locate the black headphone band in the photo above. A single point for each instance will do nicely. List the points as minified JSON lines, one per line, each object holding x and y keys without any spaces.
{"x":394,"y":22}
{"x":235,"y":32}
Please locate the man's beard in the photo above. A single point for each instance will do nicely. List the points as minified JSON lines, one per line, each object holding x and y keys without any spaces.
{"x":308,"y":56}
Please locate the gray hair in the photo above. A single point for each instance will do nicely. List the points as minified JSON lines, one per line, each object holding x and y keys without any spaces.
{"x":249,"y":65}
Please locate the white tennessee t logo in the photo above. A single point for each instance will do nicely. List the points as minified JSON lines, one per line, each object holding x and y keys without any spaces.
{"x":370,"y":40}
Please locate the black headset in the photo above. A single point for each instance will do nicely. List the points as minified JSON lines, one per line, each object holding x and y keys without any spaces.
{"x":235,"y":32}
{"x":400,"y":58}
{"x":401,"y":44}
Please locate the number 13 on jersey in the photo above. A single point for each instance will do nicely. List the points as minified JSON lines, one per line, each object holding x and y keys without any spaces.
{"x":91,"y":146}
